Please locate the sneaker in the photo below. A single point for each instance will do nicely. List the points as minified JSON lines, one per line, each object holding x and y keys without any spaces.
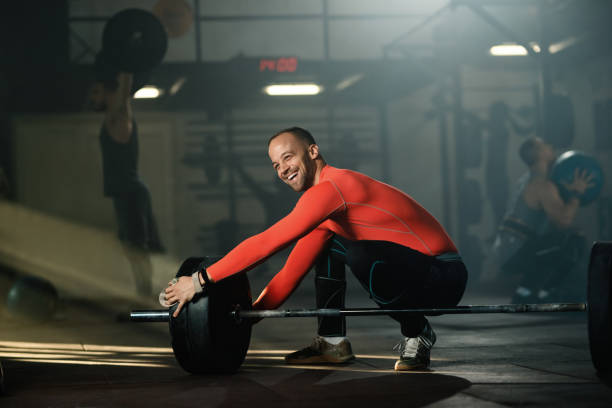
{"x":414,"y":351}
{"x":320,"y":351}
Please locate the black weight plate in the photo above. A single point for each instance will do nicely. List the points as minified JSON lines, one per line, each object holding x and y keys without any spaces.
{"x":599,"y":307}
{"x":563,"y":172}
{"x":134,"y":40}
{"x":205,"y":338}
{"x":1,"y":380}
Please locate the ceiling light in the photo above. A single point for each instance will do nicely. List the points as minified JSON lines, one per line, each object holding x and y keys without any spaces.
{"x":345,"y":83}
{"x":505,"y":50}
{"x":177,"y":85}
{"x":293,"y":89}
{"x":561,"y":45}
{"x":148,"y":92}
{"x":535,"y":46}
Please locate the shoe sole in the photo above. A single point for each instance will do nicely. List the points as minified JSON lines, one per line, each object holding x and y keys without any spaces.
{"x":410,"y":368}
{"x":319,"y":360}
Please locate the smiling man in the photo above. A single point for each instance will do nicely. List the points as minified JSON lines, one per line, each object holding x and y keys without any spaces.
{"x":398,"y":251}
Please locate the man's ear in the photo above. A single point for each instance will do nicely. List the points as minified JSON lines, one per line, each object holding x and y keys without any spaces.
{"x":313,"y":151}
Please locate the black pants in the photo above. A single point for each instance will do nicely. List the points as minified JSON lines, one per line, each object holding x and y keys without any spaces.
{"x":135,"y":219}
{"x":547,"y":261}
{"x":395,"y":276}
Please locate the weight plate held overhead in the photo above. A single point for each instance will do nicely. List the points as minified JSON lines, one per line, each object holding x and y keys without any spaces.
{"x":134,"y":40}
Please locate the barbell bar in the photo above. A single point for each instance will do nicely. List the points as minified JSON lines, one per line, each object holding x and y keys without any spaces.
{"x":212,"y":333}
{"x":149,"y":316}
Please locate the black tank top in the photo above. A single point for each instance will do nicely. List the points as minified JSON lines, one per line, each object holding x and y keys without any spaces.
{"x":119,"y":162}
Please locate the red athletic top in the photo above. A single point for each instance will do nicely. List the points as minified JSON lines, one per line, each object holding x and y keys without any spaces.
{"x":346,"y":203}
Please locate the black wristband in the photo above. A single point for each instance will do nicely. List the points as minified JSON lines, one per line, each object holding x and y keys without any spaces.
{"x":202,"y":270}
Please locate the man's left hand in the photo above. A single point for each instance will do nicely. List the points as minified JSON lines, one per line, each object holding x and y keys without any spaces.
{"x":182,"y":292}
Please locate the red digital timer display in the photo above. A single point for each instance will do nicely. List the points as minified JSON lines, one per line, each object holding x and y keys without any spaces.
{"x":278,"y":65}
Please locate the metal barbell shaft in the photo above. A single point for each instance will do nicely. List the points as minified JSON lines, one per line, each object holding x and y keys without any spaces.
{"x":163,"y":316}
{"x":518,"y":308}
{"x":150,"y":316}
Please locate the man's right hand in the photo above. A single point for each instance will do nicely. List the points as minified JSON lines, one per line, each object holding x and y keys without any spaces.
{"x":583,"y":179}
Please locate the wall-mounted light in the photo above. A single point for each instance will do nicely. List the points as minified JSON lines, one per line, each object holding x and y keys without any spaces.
{"x":148,"y":92}
{"x":293,"y":89}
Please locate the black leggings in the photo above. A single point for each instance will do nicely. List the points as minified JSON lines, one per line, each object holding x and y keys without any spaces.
{"x":395,"y":276}
{"x":135,"y":219}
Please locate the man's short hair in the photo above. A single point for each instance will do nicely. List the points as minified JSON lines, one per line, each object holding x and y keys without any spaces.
{"x":298,"y":132}
{"x":529,"y":151}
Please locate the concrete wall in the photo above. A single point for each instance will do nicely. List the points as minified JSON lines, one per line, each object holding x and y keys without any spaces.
{"x":58,"y":167}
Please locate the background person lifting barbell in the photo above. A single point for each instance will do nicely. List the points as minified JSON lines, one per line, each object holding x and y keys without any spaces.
{"x":134,"y":42}
{"x":536,"y":241}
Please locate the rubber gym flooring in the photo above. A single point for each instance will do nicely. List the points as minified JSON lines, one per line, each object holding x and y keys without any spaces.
{"x":87,"y":357}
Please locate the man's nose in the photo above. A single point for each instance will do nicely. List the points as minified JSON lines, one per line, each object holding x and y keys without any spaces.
{"x":283,"y":169}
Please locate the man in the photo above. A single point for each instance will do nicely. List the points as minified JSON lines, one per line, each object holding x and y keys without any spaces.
{"x":535,"y":238}
{"x":111,"y":94}
{"x":398,"y":251}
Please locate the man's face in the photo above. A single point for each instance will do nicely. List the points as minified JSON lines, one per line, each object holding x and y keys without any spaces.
{"x":97,"y":97}
{"x":546,"y":152}
{"x":294,"y":161}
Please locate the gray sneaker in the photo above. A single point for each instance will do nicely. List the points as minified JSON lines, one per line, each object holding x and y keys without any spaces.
{"x":320,"y":351}
{"x":414,"y":351}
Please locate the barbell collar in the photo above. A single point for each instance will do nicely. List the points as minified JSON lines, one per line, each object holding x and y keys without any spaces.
{"x":148,"y":316}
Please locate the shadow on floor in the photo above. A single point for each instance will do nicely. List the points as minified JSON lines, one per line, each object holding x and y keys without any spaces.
{"x":41,"y":384}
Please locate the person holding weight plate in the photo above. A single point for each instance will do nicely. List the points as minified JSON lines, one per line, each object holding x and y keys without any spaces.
{"x":396,"y":249}
{"x":536,"y":238}
{"x":134,"y":42}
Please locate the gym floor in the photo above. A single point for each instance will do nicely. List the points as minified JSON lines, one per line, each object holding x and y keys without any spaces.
{"x":87,"y":357}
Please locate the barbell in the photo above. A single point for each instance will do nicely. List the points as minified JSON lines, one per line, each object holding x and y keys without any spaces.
{"x":213,"y":331}
{"x":134,"y":41}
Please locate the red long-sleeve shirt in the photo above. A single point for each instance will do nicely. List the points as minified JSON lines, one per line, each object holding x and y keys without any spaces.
{"x":346,"y":203}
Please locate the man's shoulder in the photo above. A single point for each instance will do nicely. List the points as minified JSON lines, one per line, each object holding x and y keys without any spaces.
{"x":541,"y":183}
{"x":539,"y":187}
{"x":334,"y":173}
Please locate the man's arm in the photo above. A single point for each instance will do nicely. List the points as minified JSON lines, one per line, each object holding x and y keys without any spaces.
{"x":558,"y":211}
{"x":118,"y":119}
{"x":299,"y":262}
{"x":315,"y":206}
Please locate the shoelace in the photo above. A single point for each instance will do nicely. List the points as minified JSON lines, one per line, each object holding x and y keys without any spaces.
{"x":409,"y":348}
